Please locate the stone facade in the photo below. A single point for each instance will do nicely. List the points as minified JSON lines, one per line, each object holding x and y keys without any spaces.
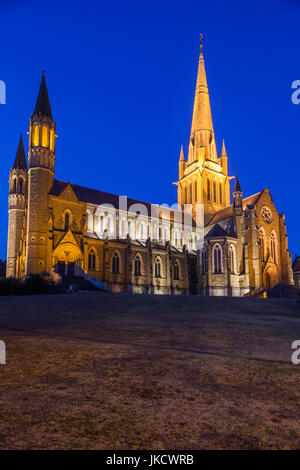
{"x":137,"y":247}
{"x":296,"y":271}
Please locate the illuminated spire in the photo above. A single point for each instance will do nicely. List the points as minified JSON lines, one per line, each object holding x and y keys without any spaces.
{"x":43,"y":104}
{"x":202,"y":119}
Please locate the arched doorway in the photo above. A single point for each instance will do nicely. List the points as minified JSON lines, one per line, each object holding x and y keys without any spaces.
{"x":68,"y":259}
{"x":270,"y":278}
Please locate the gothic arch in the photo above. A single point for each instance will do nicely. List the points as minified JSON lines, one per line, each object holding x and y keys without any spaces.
{"x":262,"y":243}
{"x":67,"y":219}
{"x":116,"y":262}
{"x":214,"y":190}
{"x":138,"y":264}
{"x":232,"y":259}
{"x":274,"y":246}
{"x":176,"y":270}
{"x":217,"y":258}
{"x":208,"y":188}
{"x":158,"y":267}
{"x":92,"y":259}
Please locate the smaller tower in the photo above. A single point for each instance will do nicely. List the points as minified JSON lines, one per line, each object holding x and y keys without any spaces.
{"x":237,"y":196}
{"x":16,"y":210}
{"x":224,"y":159}
{"x":181,"y":163}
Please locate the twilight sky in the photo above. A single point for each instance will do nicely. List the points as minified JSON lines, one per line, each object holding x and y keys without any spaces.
{"x":121,"y":79}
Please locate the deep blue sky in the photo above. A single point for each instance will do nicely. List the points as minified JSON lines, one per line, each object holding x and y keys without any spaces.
{"x":121,"y":79}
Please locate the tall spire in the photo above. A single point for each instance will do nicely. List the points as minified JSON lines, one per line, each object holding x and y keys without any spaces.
{"x":202,"y":118}
{"x":20,"y":160}
{"x":43,"y":104}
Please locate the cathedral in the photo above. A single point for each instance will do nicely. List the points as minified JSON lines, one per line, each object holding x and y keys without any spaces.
{"x":204,"y":245}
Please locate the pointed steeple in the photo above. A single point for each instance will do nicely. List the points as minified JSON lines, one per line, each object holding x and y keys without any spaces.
{"x":20,"y":160}
{"x":43,"y":104}
{"x":237,"y":187}
{"x":237,"y":196}
{"x":202,"y":118}
{"x":223,"y":153}
{"x":181,"y":158}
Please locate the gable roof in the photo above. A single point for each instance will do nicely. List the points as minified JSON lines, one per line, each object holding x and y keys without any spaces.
{"x":92,"y":196}
{"x":97,"y":197}
{"x":227,"y":212}
{"x":217,"y":231}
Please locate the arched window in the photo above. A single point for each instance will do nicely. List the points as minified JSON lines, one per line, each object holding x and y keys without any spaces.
{"x":262,"y":242}
{"x":122,"y":228}
{"x":115,"y":263}
{"x":159,"y":233}
{"x":15,"y":185}
{"x":137,"y":266}
{"x":20,"y":186}
{"x":191,"y":194}
{"x":215,"y":190}
{"x":52,"y":140}
{"x":217,"y":258}
{"x":45,"y":136}
{"x":208,"y":190}
{"x":157,"y":268}
{"x":176,"y":270}
{"x":232,"y":262}
{"x":195,"y":190}
{"x":165,"y":235}
{"x":35,"y":136}
{"x":221,"y":193}
{"x":67,"y":220}
{"x":273,"y":246}
{"x":92,"y":260}
{"x":185,"y":195}
{"x":101,"y":224}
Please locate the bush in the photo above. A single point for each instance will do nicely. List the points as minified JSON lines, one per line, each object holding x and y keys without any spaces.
{"x":33,"y":284}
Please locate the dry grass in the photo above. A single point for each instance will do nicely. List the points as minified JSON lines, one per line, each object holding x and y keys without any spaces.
{"x":101,"y":371}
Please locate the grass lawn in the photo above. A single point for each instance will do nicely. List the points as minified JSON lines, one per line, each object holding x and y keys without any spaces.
{"x":103,"y":371}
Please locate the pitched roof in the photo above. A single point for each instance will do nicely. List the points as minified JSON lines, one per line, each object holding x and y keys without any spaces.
{"x":227,"y":212}
{"x":217,"y":231}
{"x":20,"y":160}
{"x":296,"y":264}
{"x":43,"y":104}
{"x":95,"y":196}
